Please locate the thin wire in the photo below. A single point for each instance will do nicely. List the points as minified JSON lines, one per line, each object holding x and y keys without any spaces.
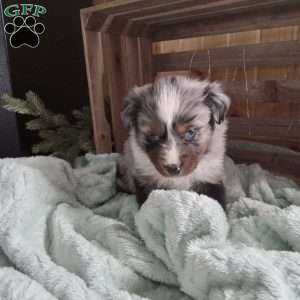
{"x":247,"y":91}
{"x":191,"y":60}
{"x":234,"y":74}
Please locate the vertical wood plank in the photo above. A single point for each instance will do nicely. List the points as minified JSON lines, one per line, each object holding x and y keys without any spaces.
{"x":95,"y":75}
{"x":116,"y":85}
{"x":145,"y":60}
{"x":130,"y":61}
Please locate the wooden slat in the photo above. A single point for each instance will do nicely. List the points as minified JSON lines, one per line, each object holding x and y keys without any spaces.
{"x":258,"y":19}
{"x":292,"y":144}
{"x":126,"y":7}
{"x":280,"y":110}
{"x":145,"y":60}
{"x":122,"y":16}
{"x":95,"y":73}
{"x":114,"y":5}
{"x":209,"y":9}
{"x":130,"y":62}
{"x":116,"y":84}
{"x":194,"y":10}
{"x":264,"y":127}
{"x":130,"y":8}
{"x":285,"y":91}
{"x":118,"y":6}
{"x":134,"y":14}
{"x":207,"y":42}
{"x":281,"y":164}
{"x":272,"y":99}
{"x":144,"y":12}
{"x":274,"y":54}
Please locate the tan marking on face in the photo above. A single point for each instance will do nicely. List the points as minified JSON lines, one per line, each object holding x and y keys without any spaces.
{"x":182,"y":128}
{"x":191,"y":156}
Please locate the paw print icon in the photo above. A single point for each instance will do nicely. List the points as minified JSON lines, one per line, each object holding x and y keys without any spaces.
{"x":24,"y":32}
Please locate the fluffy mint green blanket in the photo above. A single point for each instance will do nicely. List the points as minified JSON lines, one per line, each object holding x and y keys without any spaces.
{"x":66,"y":234}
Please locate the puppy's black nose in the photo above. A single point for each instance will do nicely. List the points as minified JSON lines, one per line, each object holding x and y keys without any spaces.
{"x":172,"y":169}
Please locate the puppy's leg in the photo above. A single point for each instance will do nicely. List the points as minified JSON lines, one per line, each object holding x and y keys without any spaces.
{"x":142,"y":192}
{"x":212,"y":190}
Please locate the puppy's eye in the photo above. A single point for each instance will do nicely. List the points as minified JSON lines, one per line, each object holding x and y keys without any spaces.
{"x":189,"y":135}
{"x":152,"y":139}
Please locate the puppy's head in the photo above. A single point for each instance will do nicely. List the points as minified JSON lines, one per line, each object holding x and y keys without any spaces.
{"x":174,"y":120}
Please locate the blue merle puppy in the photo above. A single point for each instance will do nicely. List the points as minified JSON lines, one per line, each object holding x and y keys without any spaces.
{"x":177,"y":134}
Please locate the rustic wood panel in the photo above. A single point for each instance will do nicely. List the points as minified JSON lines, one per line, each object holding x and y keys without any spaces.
{"x":121,"y":17}
{"x":281,"y":164}
{"x":275,"y":54}
{"x":292,"y":144}
{"x":207,"y":42}
{"x":211,"y":9}
{"x":273,"y":35}
{"x":265,"y":18}
{"x":263,"y":127}
{"x":95,"y":75}
{"x":275,"y":99}
{"x":129,"y":61}
{"x":234,"y":39}
{"x":242,"y":50}
{"x":130,"y":54}
{"x":145,"y":12}
{"x":117,"y":86}
{"x":128,"y":9}
{"x":145,"y":60}
{"x":269,"y":91}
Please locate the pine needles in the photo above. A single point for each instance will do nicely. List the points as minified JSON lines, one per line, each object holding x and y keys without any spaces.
{"x":59,"y":136}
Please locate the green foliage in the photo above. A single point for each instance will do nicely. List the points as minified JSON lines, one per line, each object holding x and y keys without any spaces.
{"x":59,"y":136}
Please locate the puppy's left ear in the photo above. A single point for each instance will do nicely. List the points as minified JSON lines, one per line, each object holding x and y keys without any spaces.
{"x":132,"y":104}
{"x":217,"y":101}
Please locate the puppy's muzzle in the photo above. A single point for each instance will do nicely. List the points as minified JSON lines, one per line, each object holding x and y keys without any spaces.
{"x":173,"y":169}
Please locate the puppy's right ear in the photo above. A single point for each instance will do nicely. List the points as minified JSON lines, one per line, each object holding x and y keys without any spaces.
{"x":133,"y":104}
{"x":217,"y":101}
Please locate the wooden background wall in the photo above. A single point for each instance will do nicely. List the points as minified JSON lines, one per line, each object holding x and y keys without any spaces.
{"x":265,"y":99}
{"x":258,"y":68}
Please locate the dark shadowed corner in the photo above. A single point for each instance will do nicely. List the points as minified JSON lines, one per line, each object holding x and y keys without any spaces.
{"x":9,"y":136}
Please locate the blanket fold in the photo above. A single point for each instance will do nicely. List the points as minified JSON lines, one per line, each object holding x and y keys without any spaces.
{"x":68,"y":234}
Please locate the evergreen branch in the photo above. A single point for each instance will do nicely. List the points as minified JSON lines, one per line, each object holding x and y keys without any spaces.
{"x":37,"y":124}
{"x":17,"y":105}
{"x":37,"y":104}
{"x":42,"y":147}
{"x":59,"y":136}
{"x":60,"y":120}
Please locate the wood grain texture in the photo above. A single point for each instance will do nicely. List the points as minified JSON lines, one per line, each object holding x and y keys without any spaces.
{"x":95,"y":74}
{"x":112,"y":51}
{"x":145,"y":60}
{"x":282,"y":164}
{"x":120,"y":12}
{"x":148,"y":7}
{"x":286,"y":15}
{"x":264,"y":127}
{"x":267,"y":54}
{"x":233,"y":41}
{"x":128,"y":63}
{"x":205,"y":9}
{"x":147,"y":12}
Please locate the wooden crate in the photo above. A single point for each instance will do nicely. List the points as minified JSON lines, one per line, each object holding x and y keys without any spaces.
{"x":252,"y":46}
